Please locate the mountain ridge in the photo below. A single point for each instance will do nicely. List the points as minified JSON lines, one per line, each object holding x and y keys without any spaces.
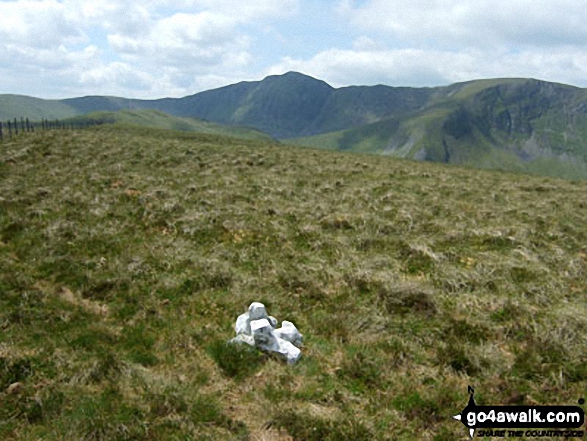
{"x":499,"y":123}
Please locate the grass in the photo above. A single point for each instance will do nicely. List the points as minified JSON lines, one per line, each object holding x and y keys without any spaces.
{"x":128,"y":253}
{"x":17,"y":106}
{"x":160,"y":120}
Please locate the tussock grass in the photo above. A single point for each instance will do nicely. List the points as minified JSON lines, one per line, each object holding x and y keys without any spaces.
{"x":127,"y":255}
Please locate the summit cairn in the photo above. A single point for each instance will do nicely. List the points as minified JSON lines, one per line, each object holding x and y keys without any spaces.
{"x":256,"y":328}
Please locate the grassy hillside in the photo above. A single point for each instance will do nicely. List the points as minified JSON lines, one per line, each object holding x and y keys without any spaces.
{"x":88,"y":104}
{"x":512,"y":124}
{"x":161,"y":120}
{"x":127,"y":255}
{"x":17,"y":106}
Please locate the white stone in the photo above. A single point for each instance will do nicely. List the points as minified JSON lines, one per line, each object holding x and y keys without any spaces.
{"x":243,"y":339}
{"x":289,"y":351}
{"x":257,"y":311}
{"x":243,"y":324}
{"x":263,"y":334}
{"x":256,"y":328}
{"x":290,"y":333}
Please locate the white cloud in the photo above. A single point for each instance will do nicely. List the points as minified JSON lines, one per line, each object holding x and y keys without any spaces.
{"x":40,"y":24}
{"x":201,"y":46}
{"x":189,"y":48}
{"x":238,"y":9}
{"x":437,"y":42}
{"x":429,"y":67}
{"x":474,"y":23}
{"x":128,"y":18}
{"x":121,"y":74}
{"x":364,"y":43}
{"x":137,"y":47}
{"x":156,"y":48}
{"x":199,"y":37}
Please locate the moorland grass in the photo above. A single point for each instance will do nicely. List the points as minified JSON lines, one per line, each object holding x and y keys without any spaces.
{"x":128,"y":253}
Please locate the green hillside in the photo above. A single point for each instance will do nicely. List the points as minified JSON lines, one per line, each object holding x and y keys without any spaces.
{"x":88,"y":104}
{"x":17,"y":106}
{"x":515,"y":124}
{"x":161,"y":120}
{"x":127,"y":254}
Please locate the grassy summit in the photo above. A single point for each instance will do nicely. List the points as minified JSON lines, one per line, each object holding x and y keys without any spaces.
{"x":127,"y":254}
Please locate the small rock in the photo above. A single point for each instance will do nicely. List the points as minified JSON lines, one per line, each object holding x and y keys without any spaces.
{"x":289,"y":332}
{"x":243,"y":324}
{"x":257,"y":311}
{"x":263,"y":333}
{"x":288,"y":351}
{"x":256,"y":328}
{"x":243,"y":338}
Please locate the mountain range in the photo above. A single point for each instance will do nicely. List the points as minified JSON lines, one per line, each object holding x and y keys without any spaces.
{"x":522,"y":125}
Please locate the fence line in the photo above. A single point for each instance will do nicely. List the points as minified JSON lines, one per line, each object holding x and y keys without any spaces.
{"x":11,"y":127}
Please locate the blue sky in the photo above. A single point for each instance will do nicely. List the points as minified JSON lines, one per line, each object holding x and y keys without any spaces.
{"x":158,"y":48}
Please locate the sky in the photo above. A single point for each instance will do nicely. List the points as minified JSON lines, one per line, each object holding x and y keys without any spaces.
{"x":174,"y":48}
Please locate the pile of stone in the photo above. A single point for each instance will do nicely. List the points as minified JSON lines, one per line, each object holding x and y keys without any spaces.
{"x":258,"y":329}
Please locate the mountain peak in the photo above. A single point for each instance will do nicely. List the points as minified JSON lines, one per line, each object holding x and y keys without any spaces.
{"x":293,"y":73}
{"x":295,"y":76}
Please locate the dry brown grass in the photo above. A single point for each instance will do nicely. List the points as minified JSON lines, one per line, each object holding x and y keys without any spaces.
{"x":127,"y":254}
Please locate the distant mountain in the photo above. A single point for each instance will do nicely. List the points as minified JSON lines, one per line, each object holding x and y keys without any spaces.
{"x":292,"y":105}
{"x":16,"y":106}
{"x":158,"y":119}
{"x":283,"y":106}
{"x":514,"y":124}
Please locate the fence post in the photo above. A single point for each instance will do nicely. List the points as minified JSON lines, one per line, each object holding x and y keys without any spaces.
{"x":1,"y":134}
{"x":28,"y":125}
{"x":15,"y":127}
{"x":21,"y":124}
{"x":9,"y":130}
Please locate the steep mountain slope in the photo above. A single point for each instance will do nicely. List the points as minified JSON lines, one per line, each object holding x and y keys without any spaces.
{"x":283,"y":106}
{"x":513,"y":124}
{"x":359,"y":105}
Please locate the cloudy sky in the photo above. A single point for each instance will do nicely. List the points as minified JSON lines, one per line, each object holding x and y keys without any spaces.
{"x":157,"y":48}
